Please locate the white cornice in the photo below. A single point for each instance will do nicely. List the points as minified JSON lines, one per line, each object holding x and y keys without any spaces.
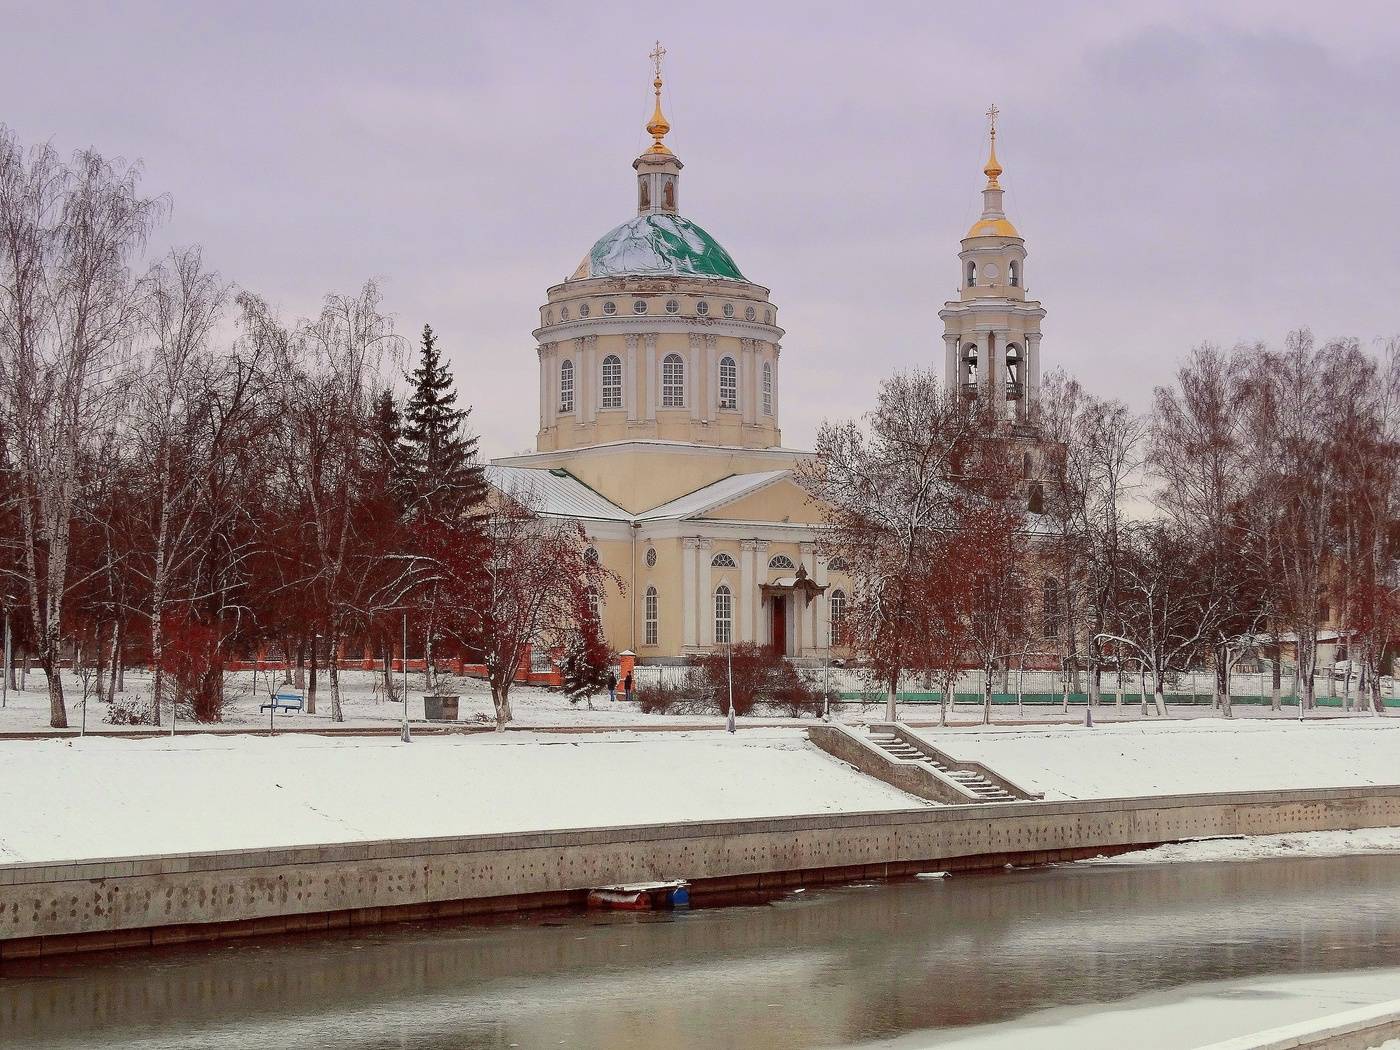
{"x":657,"y":324}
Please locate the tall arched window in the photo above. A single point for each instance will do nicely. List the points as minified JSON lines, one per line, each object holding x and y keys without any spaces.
{"x":838,"y":617}
{"x":971,"y":274}
{"x":1035,"y":498}
{"x":838,"y":564}
{"x":970,"y":364}
{"x":1050,"y":609}
{"x":566,"y":386}
{"x":767,"y":389}
{"x":1027,"y":468}
{"x":722,"y":561}
{"x":1013,"y":273}
{"x":612,"y":381}
{"x":594,"y":602}
{"x":649,"y":617}
{"x":1013,"y":364}
{"x":724,"y":615}
{"x":728,"y":383}
{"x":673,"y":382}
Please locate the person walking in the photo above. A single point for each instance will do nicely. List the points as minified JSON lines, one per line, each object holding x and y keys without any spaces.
{"x":612,"y":686}
{"x":627,"y":686}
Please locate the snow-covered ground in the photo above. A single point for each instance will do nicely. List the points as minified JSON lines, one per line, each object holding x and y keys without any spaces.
{"x":96,"y":797}
{"x":1266,"y":847}
{"x":366,"y":706}
{"x":1166,"y":757}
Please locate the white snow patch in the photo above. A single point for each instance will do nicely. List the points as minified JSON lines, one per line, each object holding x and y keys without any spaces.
{"x":1181,"y":757}
{"x":1266,"y":847}
{"x":87,"y":798}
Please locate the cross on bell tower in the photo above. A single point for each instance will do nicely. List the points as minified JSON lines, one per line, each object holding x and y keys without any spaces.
{"x":658,"y":169}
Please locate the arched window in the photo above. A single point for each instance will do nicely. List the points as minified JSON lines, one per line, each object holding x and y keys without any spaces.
{"x":970,"y":364}
{"x":971,"y":274}
{"x":728,"y":383}
{"x":1013,"y":273}
{"x":838,"y":564}
{"x":838,"y":617}
{"x":566,"y":387}
{"x":1050,"y":609}
{"x":724,"y":615}
{"x":673,"y":382}
{"x":1035,"y":498}
{"x":594,"y":601}
{"x":723,"y":561}
{"x":767,"y":389}
{"x":1013,"y":364}
{"x":781,"y":561}
{"x":1027,"y":467}
{"x":649,"y":617}
{"x":612,"y":381}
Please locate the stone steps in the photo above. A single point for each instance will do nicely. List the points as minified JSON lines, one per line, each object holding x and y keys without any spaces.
{"x":978,"y":785}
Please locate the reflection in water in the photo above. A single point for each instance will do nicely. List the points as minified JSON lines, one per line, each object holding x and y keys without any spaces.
{"x":818,"y":969}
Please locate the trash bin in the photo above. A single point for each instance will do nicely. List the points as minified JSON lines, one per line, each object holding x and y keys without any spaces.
{"x":440,"y":707}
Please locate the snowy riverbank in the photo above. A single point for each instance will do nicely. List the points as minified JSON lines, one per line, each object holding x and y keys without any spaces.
{"x":89,"y":798}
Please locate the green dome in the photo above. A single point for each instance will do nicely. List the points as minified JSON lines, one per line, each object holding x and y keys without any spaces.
{"x":657,"y":244}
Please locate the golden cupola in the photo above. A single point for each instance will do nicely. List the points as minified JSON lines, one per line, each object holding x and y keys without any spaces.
{"x":993,"y":222}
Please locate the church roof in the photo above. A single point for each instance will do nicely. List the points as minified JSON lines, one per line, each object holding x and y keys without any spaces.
{"x":554,"y":492}
{"x":658,"y":244}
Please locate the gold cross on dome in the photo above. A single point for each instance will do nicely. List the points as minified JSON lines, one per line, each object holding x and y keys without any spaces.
{"x":657,"y":54}
{"x":992,"y":115}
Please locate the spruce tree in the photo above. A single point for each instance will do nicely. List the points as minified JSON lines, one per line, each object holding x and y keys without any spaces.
{"x":445,"y":480}
{"x":384,"y":457}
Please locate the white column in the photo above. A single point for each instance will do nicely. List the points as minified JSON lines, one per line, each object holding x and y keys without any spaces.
{"x":693,"y":377}
{"x":748,"y":587}
{"x":544,"y":386}
{"x":823,"y":625}
{"x":651,"y":378}
{"x":689,"y":546}
{"x":712,"y":372}
{"x":1032,"y":370}
{"x":590,"y":354}
{"x":984,"y":362}
{"x":777,"y":384}
{"x":950,"y":362}
{"x":704,"y":552}
{"x":760,"y":626}
{"x":748,"y":373}
{"x":629,"y":384}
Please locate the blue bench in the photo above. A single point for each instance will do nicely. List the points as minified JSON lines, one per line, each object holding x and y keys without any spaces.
{"x":284,"y":701}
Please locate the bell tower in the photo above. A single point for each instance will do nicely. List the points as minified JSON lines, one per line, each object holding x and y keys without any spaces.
{"x":991,"y":332}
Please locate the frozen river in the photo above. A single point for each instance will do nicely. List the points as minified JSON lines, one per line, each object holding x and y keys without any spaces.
{"x":1173,"y":954}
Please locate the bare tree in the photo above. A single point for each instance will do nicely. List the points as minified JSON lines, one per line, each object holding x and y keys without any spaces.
{"x":890,"y":487}
{"x":69,"y":237}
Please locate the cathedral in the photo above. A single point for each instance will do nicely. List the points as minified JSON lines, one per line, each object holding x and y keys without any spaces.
{"x":660,"y":375}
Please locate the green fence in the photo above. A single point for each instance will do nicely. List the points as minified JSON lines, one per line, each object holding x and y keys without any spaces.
{"x":1105,"y":699}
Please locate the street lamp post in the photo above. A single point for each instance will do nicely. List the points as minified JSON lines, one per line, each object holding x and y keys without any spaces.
{"x":729,"y":663}
{"x":405,"y":736}
{"x":5,"y":692}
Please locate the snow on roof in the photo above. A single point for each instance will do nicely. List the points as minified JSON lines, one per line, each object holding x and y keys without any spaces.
{"x":713,"y":495}
{"x":554,"y":492}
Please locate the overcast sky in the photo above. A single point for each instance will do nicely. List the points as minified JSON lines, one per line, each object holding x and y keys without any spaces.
{"x":1181,"y":173}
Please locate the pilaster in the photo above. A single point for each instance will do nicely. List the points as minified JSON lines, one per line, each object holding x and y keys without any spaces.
{"x":704,"y":552}
{"x":748,"y":587}
{"x":629,"y":381}
{"x":653,"y":376}
{"x":693,"y":385}
{"x":689,"y":546}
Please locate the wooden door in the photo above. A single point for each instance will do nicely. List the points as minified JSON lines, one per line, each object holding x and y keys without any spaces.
{"x":779,"y":621}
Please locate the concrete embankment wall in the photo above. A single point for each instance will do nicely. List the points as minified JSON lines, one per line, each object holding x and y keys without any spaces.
{"x":101,"y":904}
